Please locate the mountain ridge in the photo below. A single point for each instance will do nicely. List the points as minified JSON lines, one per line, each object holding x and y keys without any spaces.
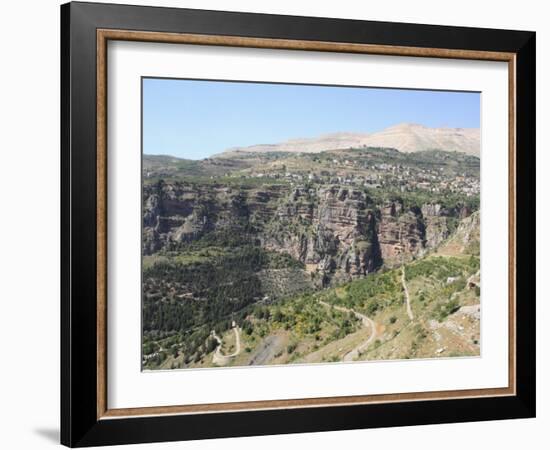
{"x":405,"y":137}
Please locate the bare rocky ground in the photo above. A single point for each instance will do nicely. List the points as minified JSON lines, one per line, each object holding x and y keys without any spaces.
{"x":266,"y":351}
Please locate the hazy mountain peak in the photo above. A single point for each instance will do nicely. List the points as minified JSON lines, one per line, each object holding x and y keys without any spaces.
{"x":405,"y":137}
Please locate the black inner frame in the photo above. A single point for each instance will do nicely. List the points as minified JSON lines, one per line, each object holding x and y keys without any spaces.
{"x":79,"y":423}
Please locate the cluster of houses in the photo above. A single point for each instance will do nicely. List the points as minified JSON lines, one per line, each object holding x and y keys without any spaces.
{"x":360,"y":172}
{"x":403,"y":178}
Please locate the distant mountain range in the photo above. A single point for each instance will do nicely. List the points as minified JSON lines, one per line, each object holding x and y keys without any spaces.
{"x":404,"y":137}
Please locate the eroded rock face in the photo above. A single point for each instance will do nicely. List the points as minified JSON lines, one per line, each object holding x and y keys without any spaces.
{"x":438,"y":222}
{"x":336,"y":231}
{"x":468,"y":231}
{"x":330,"y":227}
{"x":436,"y":225}
{"x":401,"y":234}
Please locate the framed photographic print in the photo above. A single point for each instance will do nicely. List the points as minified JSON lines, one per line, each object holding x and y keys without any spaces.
{"x":277,"y":224}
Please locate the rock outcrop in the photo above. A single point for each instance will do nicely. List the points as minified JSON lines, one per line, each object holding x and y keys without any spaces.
{"x":336,"y":231}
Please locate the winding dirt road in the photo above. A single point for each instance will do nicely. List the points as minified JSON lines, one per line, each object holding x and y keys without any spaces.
{"x":367,"y":322}
{"x":407,"y":298}
{"x":218,"y":357}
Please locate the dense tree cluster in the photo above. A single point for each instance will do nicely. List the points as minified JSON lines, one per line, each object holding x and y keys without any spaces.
{"x":187,"y":300}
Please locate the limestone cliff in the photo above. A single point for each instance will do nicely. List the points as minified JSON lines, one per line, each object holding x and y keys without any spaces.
{"x":338,"y":232}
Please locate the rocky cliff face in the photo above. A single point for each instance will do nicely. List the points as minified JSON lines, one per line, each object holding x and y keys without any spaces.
{"x":336,"y":231}
{"x":331,"y":229}
{"x":401,"y":234}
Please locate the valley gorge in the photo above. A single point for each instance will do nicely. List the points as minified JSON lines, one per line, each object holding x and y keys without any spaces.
{"x":336,"y":231}
{"x":284,"y":257}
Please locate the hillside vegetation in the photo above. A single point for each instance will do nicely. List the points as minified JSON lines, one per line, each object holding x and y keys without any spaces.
{"x":278,"y":258}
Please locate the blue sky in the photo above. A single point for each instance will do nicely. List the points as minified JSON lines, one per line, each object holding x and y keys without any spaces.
{"x":196,"y":119}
